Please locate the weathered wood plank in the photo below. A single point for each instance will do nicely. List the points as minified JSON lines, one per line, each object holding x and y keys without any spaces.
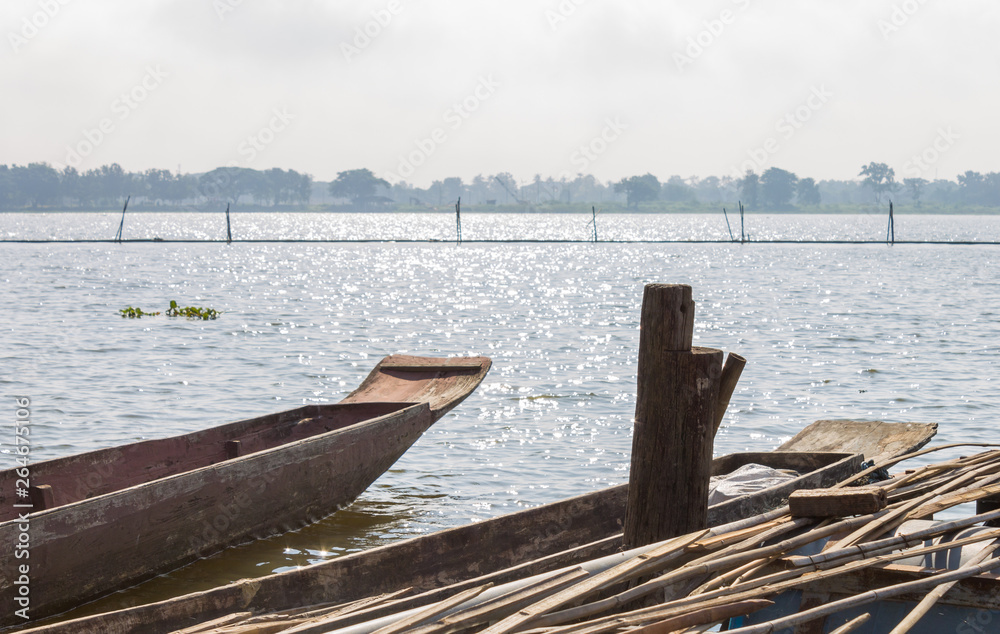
{"x":837,"y":502}
{"x":876,"y":440}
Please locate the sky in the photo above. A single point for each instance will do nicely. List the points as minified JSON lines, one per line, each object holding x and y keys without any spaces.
{"x":421,"y":90}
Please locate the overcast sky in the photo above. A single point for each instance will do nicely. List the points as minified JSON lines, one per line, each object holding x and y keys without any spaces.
{"x":426,"y":89}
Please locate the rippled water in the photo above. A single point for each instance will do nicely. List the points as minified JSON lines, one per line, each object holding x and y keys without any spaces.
{"x":903,"y":333}
{"x":494,"y":226}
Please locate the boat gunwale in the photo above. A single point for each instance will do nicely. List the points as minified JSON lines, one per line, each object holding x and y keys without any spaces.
{"x":238,"y":460}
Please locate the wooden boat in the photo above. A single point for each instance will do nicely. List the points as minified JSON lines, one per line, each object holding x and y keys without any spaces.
{"x":108,"y":519}
{"x":528,"y":542}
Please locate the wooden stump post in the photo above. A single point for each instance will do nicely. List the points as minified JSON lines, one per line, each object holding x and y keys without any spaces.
{"x":675,"y":412}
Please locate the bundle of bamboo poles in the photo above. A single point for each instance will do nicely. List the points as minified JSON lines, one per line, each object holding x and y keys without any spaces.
{"x":697,"y":581}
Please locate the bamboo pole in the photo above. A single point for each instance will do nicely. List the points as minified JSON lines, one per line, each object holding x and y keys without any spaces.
{"x":704,"y":616}
{"x":935,"y":595}
{"x":853,"y":624}
{"x":868,"y":597}
{"x":121,"y":225}
{"x":432,"y":611}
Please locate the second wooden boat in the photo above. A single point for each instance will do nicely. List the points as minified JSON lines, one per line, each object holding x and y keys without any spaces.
{"x":107,"y":519}
{"x":528,"y":542}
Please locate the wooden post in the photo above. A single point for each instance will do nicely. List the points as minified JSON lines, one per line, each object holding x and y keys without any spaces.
{"x":121,"y":225}
{"x":742,"y":236}
{"x":731,"y":371}
{"x":678,"y":390}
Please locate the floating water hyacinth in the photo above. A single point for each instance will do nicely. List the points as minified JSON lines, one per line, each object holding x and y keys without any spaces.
{"x":191,"y":312}
{"x":135,"y":313}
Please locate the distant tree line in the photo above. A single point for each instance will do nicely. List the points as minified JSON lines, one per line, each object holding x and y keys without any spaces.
{"x":774,"y":189}
{"x":40,"y":186}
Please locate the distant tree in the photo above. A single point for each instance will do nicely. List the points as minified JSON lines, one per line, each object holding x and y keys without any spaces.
{"x":7,"y":191}
{"x":156,"y":184}
{"x":676,"y":190}
{"x":749,"y":189}
{"x":303,"y":188}
{"x":991,"y":195}
{"x":69,"y":184}
{"x":115,"y":183}
{"x":972,"y":187}
{"x":38,"y":183}
{"x":880,"y":178}
{"x":357,"y":184}
{"x":915,"y":187}
{"x":807,"y":192}
{"x":638,"y":189}
{"x":452,"y":187}
{"x":228,"y":183}
{"x":709,"y":189}
{"x":777,"y":186}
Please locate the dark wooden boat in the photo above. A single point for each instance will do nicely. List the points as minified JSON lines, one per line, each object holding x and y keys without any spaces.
{"x":512,"y":546}
{"x":108,"y":519}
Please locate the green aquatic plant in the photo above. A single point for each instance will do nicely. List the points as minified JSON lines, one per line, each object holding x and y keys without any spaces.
{"x":136,"y":313}
{"x":192,"y":312}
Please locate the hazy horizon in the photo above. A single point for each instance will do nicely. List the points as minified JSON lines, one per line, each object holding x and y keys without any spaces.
{"x":424,"y":92}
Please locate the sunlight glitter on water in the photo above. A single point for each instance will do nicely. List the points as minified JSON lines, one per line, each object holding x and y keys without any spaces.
{"x":861,"y":332}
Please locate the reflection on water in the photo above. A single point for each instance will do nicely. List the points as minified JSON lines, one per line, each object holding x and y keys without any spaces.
{"x":365,"y":524}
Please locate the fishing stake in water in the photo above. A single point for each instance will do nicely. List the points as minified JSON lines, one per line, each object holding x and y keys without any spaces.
{"x":594,"y":221}
{"x":727,"y":225}
{"x":229,"y":229}
{"x":458,"y":219}
{"x":118,"y":236}
{"x":742,"y":234}
{"x":890,"y":231}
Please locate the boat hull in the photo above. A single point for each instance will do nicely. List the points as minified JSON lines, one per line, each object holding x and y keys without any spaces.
{"x":534,"y":541}
{"x":108,"y":519}
{"x":83,"y":550}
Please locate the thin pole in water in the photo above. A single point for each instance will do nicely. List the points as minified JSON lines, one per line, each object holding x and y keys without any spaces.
{"x":727,"y":225}
{"x":458,"y":219}
{"x":121,"y":225}
{"x":593,"y":210}
{"x":890,"y":231}
{"x":742,"y":235}
{"x":229,"y":228}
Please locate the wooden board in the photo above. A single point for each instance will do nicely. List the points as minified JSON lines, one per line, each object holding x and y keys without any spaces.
{"x":876,"y":440}
{"x":837,"y":502}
